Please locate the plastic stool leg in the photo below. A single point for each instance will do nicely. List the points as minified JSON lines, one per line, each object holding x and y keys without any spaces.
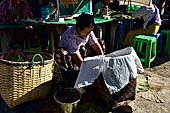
{"x":167,"y":47}
{"x":168,"y":40}
{"x":154,"y":49}
{"x":148,"y":54}
{"x":159,"y":44}
{"x":140,"y":47}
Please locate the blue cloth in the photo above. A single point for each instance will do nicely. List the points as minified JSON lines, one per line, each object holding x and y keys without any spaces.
{"x":120,"y":34}
{"x":155,"y":17}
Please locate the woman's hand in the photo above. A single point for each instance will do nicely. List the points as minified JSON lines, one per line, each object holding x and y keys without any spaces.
{"x":78,"y":58}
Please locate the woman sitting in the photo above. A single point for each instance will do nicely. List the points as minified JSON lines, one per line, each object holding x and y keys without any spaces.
{"x":76,"y":43}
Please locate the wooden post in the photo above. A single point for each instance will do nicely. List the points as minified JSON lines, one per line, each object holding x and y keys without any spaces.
{"x":51,"y":39}
{"x":112,"y":35}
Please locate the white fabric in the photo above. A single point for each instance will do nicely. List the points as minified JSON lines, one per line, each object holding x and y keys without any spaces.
{"x":147,"y":13}
{"x":135,"y":2}
{"x":117,"y":69}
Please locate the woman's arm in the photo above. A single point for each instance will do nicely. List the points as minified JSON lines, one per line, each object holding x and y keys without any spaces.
{"x":77,"y":57}
{"x":98,"y":48}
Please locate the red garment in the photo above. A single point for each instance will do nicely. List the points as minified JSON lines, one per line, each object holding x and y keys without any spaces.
{"x":52,"y":17}
{"x":11,"y":10}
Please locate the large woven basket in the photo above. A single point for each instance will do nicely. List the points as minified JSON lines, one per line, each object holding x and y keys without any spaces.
{"x":25,"y":81}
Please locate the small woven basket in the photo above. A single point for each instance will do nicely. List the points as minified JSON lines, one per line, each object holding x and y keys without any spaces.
{"x":25,"y":81}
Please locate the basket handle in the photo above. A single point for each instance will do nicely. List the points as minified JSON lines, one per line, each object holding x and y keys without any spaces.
{"x":32,"y":62}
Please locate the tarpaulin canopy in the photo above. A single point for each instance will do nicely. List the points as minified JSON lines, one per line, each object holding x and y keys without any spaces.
{"x":135,"y":2}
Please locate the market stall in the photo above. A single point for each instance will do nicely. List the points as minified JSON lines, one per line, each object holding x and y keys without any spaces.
{"x":56,"y":17}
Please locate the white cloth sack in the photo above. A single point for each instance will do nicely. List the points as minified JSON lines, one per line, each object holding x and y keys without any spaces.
{"x":117,"y":69}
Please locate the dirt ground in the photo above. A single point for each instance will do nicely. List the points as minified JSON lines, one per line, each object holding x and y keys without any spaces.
{"x":157,"y":99}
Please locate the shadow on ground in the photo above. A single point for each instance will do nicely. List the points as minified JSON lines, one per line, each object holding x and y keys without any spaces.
{"x":41,"y":106}
{"x":160,"y":60}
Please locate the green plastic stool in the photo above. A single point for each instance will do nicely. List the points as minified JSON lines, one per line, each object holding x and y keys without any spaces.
{"x":150,"y":52}
{"x":167,"y":46}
